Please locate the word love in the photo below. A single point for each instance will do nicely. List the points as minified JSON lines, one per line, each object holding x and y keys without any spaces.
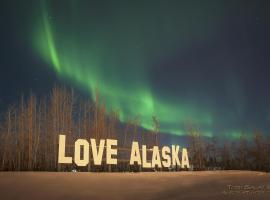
{"x":164,"y":157}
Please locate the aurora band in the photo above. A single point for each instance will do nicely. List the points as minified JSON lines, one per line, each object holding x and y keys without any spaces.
{"x":166,"y":157}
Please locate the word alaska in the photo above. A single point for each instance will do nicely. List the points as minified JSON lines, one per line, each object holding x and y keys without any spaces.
{"x":164,"y":157}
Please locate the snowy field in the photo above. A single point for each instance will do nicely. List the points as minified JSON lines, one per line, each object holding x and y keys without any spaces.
{"x":216,"y":185}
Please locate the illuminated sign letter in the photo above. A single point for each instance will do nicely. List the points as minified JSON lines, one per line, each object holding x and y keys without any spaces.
{"x":61,"y":151}
{"x":175,"y":158}
{"x":156,"y":157}
{"x":78,"y":144}
{"x":167,"y":158}
{"x":135,"y":154}
{"x":97,"y":155}
{"x":144,"y":157}
{"x":185,"y":161}
{"x":110,"y":152}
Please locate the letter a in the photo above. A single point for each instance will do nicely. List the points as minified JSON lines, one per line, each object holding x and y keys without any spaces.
{"x":135,"y":154}
{"x":156,"y":157}
{"x":185,"y":161}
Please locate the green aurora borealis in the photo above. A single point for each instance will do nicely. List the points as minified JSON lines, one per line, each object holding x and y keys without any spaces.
{"x":115,"y":49}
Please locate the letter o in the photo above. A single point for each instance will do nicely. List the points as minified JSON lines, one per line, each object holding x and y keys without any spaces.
{"x":77,"y":158}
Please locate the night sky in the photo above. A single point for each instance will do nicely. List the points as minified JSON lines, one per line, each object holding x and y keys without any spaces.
{"x":200,"y":62}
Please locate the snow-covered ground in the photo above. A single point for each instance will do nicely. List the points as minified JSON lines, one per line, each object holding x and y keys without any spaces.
{"x":215,"y":185}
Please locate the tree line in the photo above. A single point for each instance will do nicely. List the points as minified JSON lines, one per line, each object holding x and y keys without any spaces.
{"x":243,"y":153}
{"x":29,"y":130}
{"x":29,"y":133}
